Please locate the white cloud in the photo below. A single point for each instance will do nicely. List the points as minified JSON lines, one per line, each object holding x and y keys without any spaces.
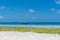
{"x":52,"y":9}
{"x":34,"y":17}
{"x":1,"y":17}
{"x":57,"y":2}
{"x":3,"y":7}
{"x":58,"y":11}
{"x":26,"y":15}
{"x":31,"y":10}
{"x":55,"y":10}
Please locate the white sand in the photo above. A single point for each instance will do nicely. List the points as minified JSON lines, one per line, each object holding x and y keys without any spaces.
{"x":27,"y":36}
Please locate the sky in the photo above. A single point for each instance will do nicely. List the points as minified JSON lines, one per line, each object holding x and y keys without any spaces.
{"x":29,"y":10}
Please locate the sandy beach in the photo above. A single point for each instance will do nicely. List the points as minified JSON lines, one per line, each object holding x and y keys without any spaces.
{"x":11,"y":35}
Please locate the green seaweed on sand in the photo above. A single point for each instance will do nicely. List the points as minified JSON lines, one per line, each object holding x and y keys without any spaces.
{"x":36,"y":30}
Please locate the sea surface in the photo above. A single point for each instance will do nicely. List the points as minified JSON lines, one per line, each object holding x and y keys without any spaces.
{"x":31,"y":24}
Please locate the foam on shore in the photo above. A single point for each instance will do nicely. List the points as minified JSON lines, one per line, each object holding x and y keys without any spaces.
{"x":27,"y":36}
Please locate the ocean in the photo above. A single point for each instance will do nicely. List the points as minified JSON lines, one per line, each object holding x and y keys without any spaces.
{"x":31,"y":24}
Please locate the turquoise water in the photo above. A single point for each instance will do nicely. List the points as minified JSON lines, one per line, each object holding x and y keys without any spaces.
{"x":31,"y":24}
{"x":41,"y":26}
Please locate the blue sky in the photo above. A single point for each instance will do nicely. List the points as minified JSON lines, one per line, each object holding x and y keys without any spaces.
{"x":29,"y":10}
